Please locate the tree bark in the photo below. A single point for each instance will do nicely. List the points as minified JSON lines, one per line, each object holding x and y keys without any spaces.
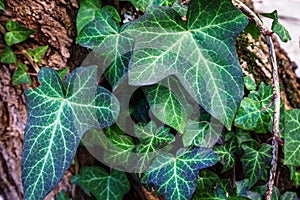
{"x":55,"y":26}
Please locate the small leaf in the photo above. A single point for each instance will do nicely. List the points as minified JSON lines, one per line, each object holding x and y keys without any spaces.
{"x":289,"y":196}
{"x":226,"y":154}
{"x":8,"y":56}
{"x":295,"y":175}
{"x":111,"y":186}
{"x":176,"y":177}
{"x":63,"y":72}
{"x":254,"y":162}
{"x":180,"y":9}
{"x":86,"y":13}
{"x":249,"y":83}
{"x":2,"y":6}
{"x":38,"y":53}
{"x":113,"y":11}
{"x":58,"y":115}
{"x":252,"y":29}
{"x":17,"y":33}
{"x":20,"y":76}
{"x":278,"y":28}
{"x":242,"y":189}
{"x":292,"y":137}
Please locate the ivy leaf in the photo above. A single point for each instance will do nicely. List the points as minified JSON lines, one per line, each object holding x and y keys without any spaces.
{"x":111,"y":186}
{"x":292,"y":137}
{"x":58,"y":115}
{"x":242,"y":189}
{"x":63,"y":72}
{"x":180,"y":9}
{"x":168,"y":103}
{"x":226,"y":154}
{"x":21,"y":76}
{"x":2,"y":6}
{"x":252,"y":29}
{"x":262,"y":190}
{"x":202,"y":134}
{"x":17,"y":33}
{"x":289,"y":196}
{"x":249,"y":83}
{"x":295,"y":175}
{"x":111,"y":46}
{"x":38,"y":53}
{"x":277,"y":27}
{"x":151,"y":140}
{"x":113,"y":11}
{"x":254,"y":162}
{"x":86,"y":13}
{"x":8,"y":56}
{"x":166,"y":45}
{"x":176,"y":177}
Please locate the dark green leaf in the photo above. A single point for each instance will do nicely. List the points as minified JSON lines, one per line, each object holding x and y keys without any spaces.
{"x":38,"y":53}
{"x":176,"y":177}
{"x":252,"y":29}
{"x":8,"y":56}
{"x":2,"y":6}
{"x":292,"y":137}
{"x":17,"y":33}
{"x":62,"y":196}
{"x":254,"y":162}
{"x":20,"y":76}
{"x":180,"y":9}
{"x":63,"y":72}
{"x":111,"y":186}
{"x":249,"y":83}
{"x":200,"y":52}
{"x":242,"y":189}
{"x":277,"y":27}
{"x":86,"y":13}
{"x":262,"y":190}
{"x":226,"y":154}
{"x":289,"y":196}
{"x":113,"y":11}
{"x":58,"y":115}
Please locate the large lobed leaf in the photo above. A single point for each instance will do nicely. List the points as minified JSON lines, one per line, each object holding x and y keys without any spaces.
{"x":292,"y":137}
{"x":201,"y":53}
{"x":58,"y":114}
{"x":175,"y":177}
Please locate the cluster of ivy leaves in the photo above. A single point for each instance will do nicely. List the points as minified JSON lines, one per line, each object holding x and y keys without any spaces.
{"x":161,"y":53}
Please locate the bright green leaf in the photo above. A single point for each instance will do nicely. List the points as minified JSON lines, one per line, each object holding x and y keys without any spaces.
{"x":38,"y":53}
{"x":151,"y":140}
{"x":2,"y":6}
{"x":176,"y":177}
{"x":63,"y":72}
{"x":17,"y":33}
{"x":21,"y":76}
{"x":249,"y":83}
{"x":295,"y":175}
{"x":278,"y":28}
{"x":168,"y":103}
{"x":8,"y":56}
{"x":58,"y":115}
{"x":86,"y":13}
{"x":200,"y":52}
{"x":289,"y":196}
{"x":113,"y":11}
{"x":292,"y":137}
{"x":102,"y":185}
{"x":254,"y":162}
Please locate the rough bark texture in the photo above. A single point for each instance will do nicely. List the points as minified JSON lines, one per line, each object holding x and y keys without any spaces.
{"x":54,"y":23}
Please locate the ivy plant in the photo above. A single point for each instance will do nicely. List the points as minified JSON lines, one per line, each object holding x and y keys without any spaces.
{"x":174,"y":78}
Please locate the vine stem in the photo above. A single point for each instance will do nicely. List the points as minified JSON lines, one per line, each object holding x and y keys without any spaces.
{"x":24,"y":52}
{"x":276,"y":92}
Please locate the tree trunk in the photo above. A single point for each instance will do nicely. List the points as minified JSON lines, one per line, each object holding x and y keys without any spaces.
{"x":55,"y":26}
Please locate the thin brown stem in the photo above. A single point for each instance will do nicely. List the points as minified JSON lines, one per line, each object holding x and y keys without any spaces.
{"x":24,"y":52}
{"x":276,"y":118}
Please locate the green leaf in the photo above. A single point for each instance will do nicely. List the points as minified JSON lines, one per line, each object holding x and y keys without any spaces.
{"x":292,"y":137}
{"x":252,"y":29}
{"x":94,"y":138}
{"x":20,"y":76}
{"x":295,"y":175}
{"x":2,"y":6}
{"x":113,"y":11}
{"x":202,"y":134}
{"x":111,"y":186}
{"x":249,"y":83}
{"x":62,"y":196}
{"x":226,"y":154}
{"x":289,"y":196}
{"x":242,"y":189}
{"x":176,"y":177}
{"x":278,"y":28}
{"x":111,"y":46}
{"x":38,"y":53}
{"x":180,"y":9}
{"x":262,"y":190}
{"x":17,"y":33}
{"x":168,"y":103}
{"x":63,"y":72}
{"x":151,"y":140}
{"x":58,"y":115}
{"x":86,"y":13}
{"x":254,"y":162}
{"x":200,"y":52}
{"x":8,"y":56}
